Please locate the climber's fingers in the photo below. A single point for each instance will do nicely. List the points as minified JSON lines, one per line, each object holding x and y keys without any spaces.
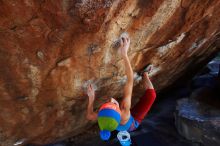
{"x":121,"y":43}
{"x":90,"y":87}
{"x":128,"y":40}
{"x":125,"y":39}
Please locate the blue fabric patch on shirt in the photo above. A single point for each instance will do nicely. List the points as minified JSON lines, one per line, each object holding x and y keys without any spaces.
{"x":129,"y":126}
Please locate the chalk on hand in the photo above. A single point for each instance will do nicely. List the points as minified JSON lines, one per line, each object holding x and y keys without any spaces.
{"x":116,"y":44}
{"x":124,"y":35}
{"x":87,"y":83}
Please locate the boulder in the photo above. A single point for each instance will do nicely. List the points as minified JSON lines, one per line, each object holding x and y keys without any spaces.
{"x":198,"y":122}
{"x":208,"y":76}
{"x":198,"y":118}
{"x":50,"y":50}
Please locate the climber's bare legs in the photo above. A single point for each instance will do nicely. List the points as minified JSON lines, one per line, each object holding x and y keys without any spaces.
{"x":140,"y":110}
{"x":146,"y":81}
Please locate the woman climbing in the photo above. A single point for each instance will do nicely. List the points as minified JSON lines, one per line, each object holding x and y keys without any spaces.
{"x":111,"y":115}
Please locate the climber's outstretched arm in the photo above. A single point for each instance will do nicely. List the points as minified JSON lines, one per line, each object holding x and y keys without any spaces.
{"x":126,"y":102}
{"x":91,"y":115}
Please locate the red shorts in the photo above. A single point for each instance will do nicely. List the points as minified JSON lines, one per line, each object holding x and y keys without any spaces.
{"x":140,"y":110}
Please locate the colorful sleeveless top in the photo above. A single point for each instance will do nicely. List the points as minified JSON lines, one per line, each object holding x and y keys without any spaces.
{"x":131,"y":125}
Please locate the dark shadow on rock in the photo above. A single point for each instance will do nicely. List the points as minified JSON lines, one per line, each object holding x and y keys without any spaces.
{"x":198,"y":118}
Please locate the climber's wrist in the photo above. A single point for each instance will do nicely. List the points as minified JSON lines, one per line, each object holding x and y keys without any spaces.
{"x":91,"y":102}
{"x":125,"y":56}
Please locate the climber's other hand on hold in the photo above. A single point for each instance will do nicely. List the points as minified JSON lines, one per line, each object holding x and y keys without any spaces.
{"x":91,"y":93}
{"x":91,"y":115}
{"x":124,"y":45}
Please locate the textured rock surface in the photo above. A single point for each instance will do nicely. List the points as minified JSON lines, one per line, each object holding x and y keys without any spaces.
{"x":198,"y":122}
{"x":198,"y":118}
{"x":50,"y":49}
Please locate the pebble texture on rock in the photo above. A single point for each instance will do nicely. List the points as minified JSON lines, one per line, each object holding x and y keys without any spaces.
{"x":49,"y":51}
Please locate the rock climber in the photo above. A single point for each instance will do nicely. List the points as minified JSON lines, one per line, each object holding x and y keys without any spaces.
{"x":111,"y":115}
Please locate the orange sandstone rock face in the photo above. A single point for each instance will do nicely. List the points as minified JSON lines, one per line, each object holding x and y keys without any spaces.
{"x":50,"y":50}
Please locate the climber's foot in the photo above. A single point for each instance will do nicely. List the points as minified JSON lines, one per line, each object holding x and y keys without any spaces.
{"x":147,"y":69}
{"x":145,"y":76}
